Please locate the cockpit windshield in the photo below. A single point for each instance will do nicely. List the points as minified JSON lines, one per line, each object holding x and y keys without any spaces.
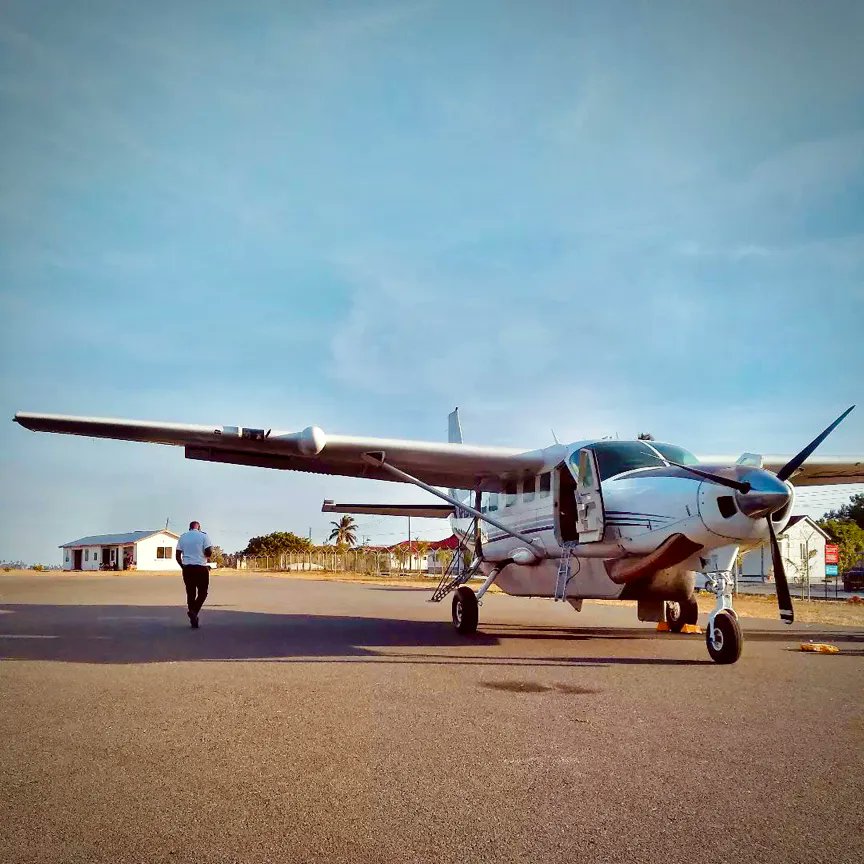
{"x":617,"y":457}
{"x":674,"y":453}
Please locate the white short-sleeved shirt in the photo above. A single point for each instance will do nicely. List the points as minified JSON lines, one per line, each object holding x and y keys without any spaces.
{"x":192,"y":545}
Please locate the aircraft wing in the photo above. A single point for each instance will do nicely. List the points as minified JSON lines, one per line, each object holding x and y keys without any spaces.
{"x":457,"y":466}
{"x":816,"y":471}
{"x":425,"y":511}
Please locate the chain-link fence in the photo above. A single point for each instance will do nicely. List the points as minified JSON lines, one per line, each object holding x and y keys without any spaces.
{"x":366,"y":561}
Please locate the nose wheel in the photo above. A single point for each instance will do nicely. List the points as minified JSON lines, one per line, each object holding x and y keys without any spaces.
{"x":724,"y":638}
{"x":723,"y":635}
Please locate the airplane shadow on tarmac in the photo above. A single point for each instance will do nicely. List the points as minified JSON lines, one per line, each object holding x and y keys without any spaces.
{"x":160,"y":634}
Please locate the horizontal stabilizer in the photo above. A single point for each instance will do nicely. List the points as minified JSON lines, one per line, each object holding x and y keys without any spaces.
{"x":422,"y":511}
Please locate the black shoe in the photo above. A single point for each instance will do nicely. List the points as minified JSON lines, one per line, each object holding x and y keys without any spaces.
{"x":194,"y":622}
{"x":192,"y":618}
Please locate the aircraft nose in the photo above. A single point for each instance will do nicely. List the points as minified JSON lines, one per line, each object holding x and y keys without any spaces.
{"x":767,"y":495}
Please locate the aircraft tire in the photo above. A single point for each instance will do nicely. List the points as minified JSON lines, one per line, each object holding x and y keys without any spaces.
{"x":726,"y":648}
{"x":465,"y":611}
{"x":680,"y":613}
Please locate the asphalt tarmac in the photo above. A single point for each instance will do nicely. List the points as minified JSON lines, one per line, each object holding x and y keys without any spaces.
{"x":314,"y":721}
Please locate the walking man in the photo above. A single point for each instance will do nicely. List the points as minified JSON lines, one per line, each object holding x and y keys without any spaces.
{"x":193,"y":555}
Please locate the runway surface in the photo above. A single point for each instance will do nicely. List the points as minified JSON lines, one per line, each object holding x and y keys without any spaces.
{"x":342,"y":722}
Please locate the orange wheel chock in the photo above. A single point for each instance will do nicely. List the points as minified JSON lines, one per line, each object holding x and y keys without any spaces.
{"x":691,"y":628}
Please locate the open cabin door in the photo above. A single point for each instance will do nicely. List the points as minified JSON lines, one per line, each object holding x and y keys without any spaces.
{"x":564,"y":505}
{"x":590,"y":515}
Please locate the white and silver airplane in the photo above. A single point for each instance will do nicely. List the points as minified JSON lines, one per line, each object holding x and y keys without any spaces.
{"x":628,"y":520}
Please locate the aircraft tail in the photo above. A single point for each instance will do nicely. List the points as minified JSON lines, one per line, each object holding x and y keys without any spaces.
{"x":454,"y":436}
{"x":454,"y":428}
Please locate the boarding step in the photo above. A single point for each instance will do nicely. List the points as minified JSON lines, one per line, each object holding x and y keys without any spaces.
{"x":564,"y":570}
{"x":455,"y":575}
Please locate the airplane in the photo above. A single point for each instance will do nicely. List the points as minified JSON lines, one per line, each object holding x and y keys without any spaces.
{"x":595,"y":519}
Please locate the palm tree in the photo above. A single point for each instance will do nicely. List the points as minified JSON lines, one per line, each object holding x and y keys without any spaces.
{"x":421,"y":548}
{"x":344,"y":531}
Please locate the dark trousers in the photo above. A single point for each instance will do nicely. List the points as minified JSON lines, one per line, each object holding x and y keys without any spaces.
{"x":196,"y":578}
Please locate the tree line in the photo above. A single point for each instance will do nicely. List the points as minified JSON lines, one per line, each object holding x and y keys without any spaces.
{"x":846,"y":528}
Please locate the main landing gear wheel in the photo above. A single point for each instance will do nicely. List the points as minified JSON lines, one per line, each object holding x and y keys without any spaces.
{"x":680,"y":613}
{"x":724,"y":644}
{"x":465,"y":614}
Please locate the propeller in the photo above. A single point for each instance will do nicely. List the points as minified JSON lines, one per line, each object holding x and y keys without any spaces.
{"x":762,"y":495}
{"x":797,"y":461}
{"x":784,"y":598}
{"x":738,"y":485}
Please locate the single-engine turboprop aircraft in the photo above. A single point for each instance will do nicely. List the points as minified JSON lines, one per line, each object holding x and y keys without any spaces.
{"x":632,"y":520}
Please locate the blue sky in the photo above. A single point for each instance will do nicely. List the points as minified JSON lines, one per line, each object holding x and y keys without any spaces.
{"x":602,"y":218}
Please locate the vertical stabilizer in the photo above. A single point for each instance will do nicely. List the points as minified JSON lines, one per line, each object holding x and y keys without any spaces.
{"x":454,"y":428}
{"x":454,"y":436}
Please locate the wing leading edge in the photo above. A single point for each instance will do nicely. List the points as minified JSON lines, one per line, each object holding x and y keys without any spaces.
{"x":816,"y":471}
{"x":460,"y":466}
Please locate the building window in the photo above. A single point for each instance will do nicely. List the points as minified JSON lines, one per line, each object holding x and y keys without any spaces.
{"x":86,"y":554}
{"x":492,"y":504}
{"x":528,"y":489}
{"x":545,"y":484}
{"x":163,"y":551}
{"x":67,"y":554}
{"x":509,"y":493}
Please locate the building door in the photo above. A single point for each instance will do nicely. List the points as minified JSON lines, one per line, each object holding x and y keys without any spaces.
{"x":76,"y":559}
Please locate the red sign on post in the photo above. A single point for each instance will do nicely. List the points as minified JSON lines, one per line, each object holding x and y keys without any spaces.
{"x":832,"y":554}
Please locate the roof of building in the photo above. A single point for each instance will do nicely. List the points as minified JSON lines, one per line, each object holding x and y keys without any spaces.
{"x":116,"y":539}
{"x":451,"y":542}
{"x":796,"y":519}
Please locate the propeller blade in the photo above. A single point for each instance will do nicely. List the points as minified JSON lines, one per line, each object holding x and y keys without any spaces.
{"x":715,"y":478}
{"x":784,"y":599}
{"x":797,"y":461}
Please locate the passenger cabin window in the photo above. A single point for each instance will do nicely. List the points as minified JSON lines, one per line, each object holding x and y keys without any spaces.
{"x":545,"y":484}
{"x":510,"y":493}
{"x":492,"y":506}
{"x":528,"y":489}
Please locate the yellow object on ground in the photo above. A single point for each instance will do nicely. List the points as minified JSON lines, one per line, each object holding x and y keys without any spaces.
{"x":662,"y":627}
{"x":820,"y":648}
{"x":691,"y":628}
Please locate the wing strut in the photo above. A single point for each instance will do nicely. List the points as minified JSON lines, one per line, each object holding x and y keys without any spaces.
{"x":378,"y":460}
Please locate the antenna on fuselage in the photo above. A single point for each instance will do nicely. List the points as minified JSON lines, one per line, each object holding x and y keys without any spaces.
{"x":555,"y":437}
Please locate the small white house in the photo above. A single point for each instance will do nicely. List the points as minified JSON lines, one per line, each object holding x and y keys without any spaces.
{"x":135,"y":550}
{"x":802,"y":546}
